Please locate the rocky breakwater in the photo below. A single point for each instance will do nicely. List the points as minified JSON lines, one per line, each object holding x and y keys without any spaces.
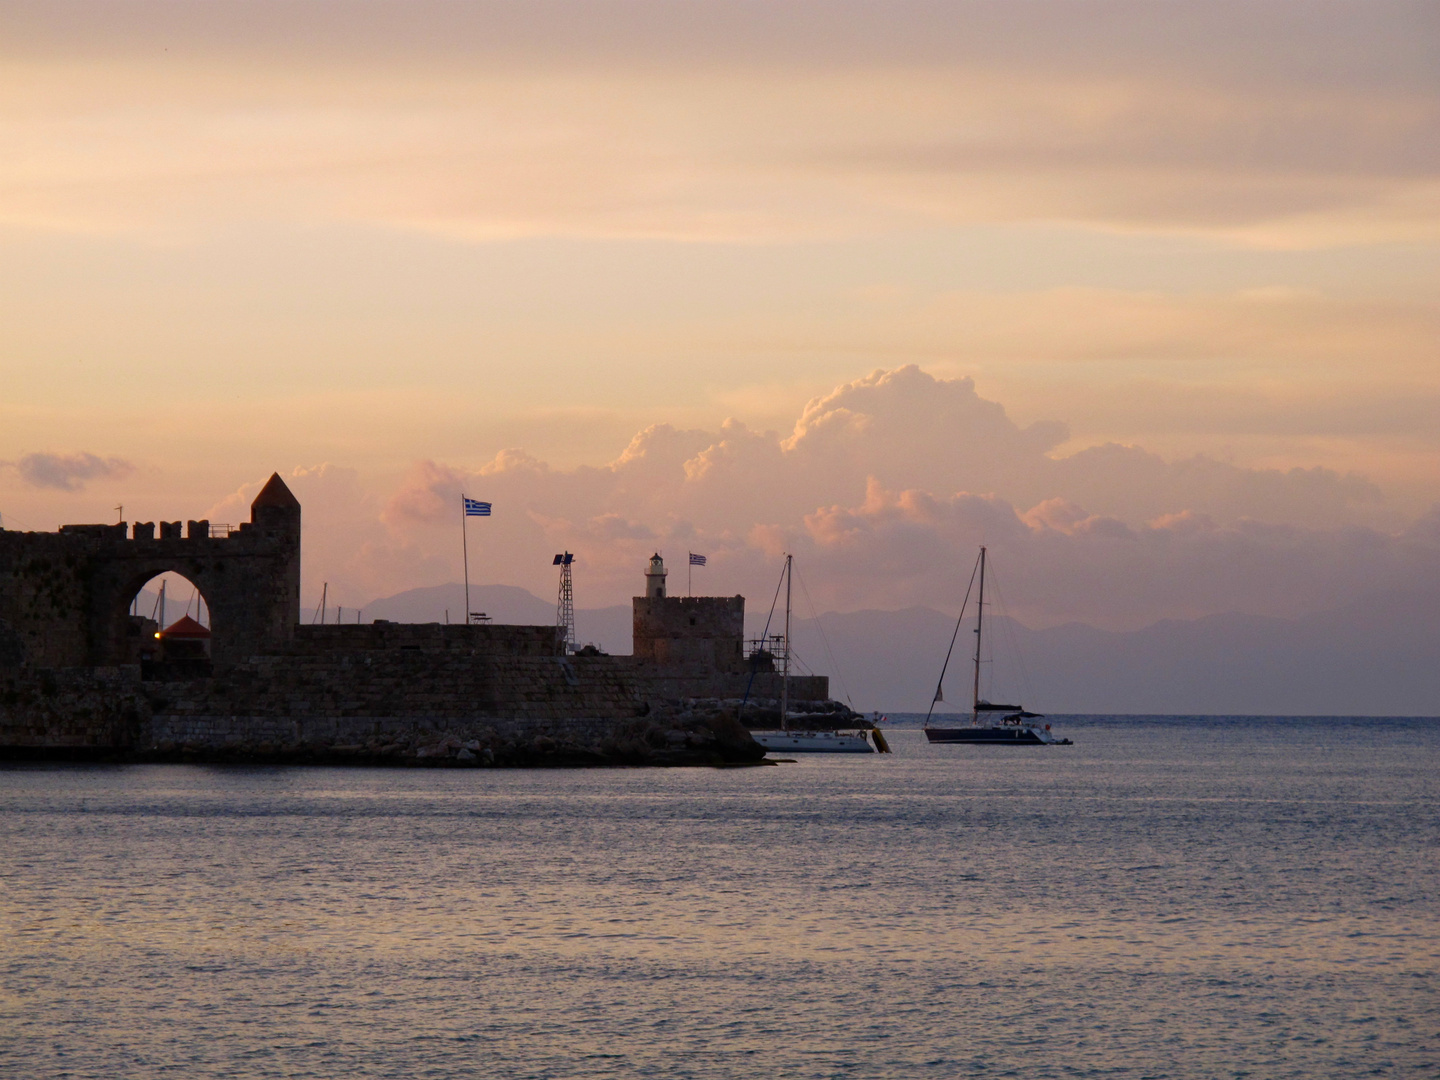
{"x":278,"y":712}
{"x":693,"y":738}
{"x":764,"y":715}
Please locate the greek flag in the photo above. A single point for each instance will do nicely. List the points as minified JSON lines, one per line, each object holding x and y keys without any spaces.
{"x":476,"y":508}
{"x":697,"y":560}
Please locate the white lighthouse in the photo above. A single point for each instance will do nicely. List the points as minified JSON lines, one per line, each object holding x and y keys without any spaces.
{"x":655,"y":578}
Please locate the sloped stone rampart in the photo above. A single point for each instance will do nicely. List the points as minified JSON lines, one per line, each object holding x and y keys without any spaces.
{"x":453,"y":685}
{"x":435,"y":741}
{"x":73,"y":708}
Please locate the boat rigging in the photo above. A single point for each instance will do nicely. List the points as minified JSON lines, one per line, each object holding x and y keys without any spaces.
{"x":797,"y":741}
{"x":1014,"y":726}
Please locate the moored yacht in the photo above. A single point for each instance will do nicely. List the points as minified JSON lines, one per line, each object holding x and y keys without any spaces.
{"x":813,"y":742}
{"x":991,"y":723}
{"x":799,"y":741}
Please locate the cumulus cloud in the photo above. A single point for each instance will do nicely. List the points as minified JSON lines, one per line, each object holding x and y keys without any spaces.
{"x":1056,"y":562}
{"x":1131,"y":482}
{"x":70,"y":472}
{"x":884,"y":488}
{"x":910,"y":430}
{"x":430,"y":493}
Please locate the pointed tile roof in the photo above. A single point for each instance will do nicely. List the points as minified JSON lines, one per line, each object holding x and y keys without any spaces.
{"x":186,"y":627}
{"x":275,"y":493}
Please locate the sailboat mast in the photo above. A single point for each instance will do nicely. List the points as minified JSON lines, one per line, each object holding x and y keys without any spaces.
{"x":979,"y":626}
{"x":785,"y":663}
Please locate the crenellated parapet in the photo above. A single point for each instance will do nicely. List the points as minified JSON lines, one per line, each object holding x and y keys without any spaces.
{"x":65,"y":596}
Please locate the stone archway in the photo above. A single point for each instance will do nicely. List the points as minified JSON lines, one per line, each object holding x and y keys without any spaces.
{"x":245,"y":590}
{"x":65,"y":596}
{"x":170,"y":639}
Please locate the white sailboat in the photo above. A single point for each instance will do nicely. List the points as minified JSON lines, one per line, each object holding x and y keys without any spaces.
{"x":800,"y":741}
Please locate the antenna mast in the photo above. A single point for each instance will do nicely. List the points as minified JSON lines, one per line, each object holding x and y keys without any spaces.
{"x":565,"y":603}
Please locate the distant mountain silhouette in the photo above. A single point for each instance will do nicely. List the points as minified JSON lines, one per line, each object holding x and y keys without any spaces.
{"x":1379,"y":656}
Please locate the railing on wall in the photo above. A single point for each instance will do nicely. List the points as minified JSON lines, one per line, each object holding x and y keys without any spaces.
{"x":772,"y":647}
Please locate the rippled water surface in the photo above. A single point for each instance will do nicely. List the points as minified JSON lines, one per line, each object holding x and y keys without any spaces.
{"x":1166,"y":898}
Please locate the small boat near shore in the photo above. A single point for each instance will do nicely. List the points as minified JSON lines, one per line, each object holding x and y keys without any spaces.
{"x":814,"y":742}
{"x":991,"y":723}
{"x":791,"y":741}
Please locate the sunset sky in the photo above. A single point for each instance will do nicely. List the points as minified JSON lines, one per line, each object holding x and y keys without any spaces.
{"x":1147,"y":296}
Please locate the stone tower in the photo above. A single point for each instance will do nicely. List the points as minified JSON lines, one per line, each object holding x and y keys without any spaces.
{"x":275,"y":517}
{"x":703,"y":633}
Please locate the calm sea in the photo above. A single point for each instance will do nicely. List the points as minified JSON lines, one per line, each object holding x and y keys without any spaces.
{"x":1166,"y":898}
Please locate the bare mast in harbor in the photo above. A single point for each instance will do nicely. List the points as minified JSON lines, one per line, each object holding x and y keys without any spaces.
{"x":979,"y":634}
{"x":785,"y":659}
{"x":804,"y":741}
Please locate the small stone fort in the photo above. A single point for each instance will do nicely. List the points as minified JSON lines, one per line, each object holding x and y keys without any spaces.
{"x":81,"y":676}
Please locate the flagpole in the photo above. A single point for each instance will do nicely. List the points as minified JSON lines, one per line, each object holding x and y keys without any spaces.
{"x":689,"y":573}
{"x":465,"y":556}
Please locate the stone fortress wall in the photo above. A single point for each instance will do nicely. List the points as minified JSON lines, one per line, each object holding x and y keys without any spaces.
{"x":273,"y":688}
{"x":64,"y":596}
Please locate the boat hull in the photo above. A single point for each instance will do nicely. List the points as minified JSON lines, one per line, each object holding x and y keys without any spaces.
{"x":994,"y":736}
{"x":812,"y":742}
